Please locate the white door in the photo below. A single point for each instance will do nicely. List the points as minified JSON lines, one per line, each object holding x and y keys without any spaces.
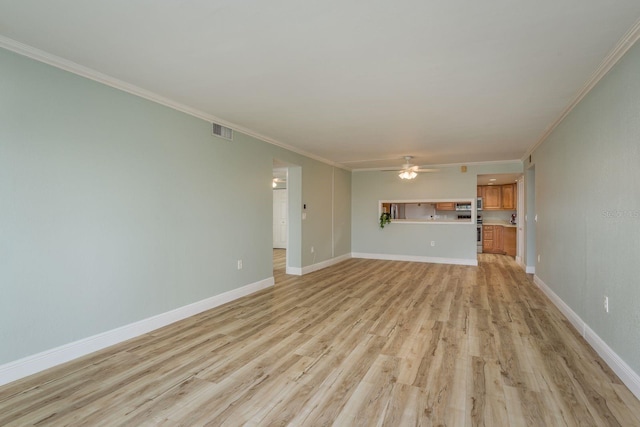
{"x":280,"y":219}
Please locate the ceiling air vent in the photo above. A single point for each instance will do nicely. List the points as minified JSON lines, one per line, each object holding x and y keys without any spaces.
{"x":222,"y":131}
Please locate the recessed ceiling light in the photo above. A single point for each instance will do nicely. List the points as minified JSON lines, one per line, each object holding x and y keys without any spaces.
{"x":492,"y":179}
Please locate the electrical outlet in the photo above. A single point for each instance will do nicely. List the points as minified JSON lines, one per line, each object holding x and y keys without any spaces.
{"x":538,"y":257}
{"x":606,"y":304}
{"x":312,"y":249}
{"x":239,"y":264}
{"x":433,"y":243}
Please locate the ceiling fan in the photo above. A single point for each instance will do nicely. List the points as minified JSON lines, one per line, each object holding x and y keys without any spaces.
{"x":408,"y":170}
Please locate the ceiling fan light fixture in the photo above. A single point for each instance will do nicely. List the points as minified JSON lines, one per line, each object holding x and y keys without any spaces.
{"x":407,"y":174}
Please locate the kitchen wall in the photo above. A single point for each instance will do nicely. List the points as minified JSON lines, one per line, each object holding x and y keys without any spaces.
{"x":497,"y":215}
{"x":587,"y":199}
{"x":453,"y":242}
{"x":115,"y":209}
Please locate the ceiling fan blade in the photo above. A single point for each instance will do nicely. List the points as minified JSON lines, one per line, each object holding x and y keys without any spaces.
{"x":427,"y":170}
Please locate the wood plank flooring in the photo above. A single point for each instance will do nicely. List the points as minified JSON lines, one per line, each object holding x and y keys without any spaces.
{"x":362,"y":343}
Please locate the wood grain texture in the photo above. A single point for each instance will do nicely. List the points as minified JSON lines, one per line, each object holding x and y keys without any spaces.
{"x":364,"y":342}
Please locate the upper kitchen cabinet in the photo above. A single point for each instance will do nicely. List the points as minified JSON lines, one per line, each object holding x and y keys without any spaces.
{"x":498,"y":197}
{"x":509,"y":197}
{"x":446,"y":206}
{"x":491,"y":197}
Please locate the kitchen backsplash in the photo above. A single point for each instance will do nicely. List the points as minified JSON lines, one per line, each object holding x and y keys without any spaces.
{"x":496,"y":215}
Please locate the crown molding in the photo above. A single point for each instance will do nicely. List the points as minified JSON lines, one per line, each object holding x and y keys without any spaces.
{"x":91,"y":74}
{"x":443,"y":165}
{"x":622,"y":47}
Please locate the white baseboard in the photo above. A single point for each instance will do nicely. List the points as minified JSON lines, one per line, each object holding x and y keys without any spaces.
{"x":325,"y":264}
{"x":415,"y":258}
{"x":297,"y":271}
{"x":628,"y":376}
{"x":530,"y":269}
{"x":29,"y":365}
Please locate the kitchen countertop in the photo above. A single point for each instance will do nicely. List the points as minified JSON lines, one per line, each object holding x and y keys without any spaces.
{"x":502,"y":223}
{"x":433,"y":221}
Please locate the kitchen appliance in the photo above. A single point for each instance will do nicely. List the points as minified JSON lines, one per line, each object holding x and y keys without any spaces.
{"x":463,"y":206}
{"x":479,"y":234}
{"x":479,"y":204}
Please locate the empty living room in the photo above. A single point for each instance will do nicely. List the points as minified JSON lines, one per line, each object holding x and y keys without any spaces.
{"x":337,"y":213}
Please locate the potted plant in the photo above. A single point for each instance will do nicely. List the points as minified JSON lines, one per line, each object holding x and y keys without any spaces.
{"x":385,"y":218}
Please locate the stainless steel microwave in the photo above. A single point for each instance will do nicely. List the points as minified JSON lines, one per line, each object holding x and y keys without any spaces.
{"x":479,"y":204}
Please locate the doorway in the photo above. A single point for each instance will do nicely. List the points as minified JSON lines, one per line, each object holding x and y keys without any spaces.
{"x":286,"y":222}
{"x":280,"y":220}
{"x":280,"y":209}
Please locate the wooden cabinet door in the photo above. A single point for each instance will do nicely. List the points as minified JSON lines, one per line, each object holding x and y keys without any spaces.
{"x":487,"y":238}
{"x":510,"y":241}
{"x":493,"y":239}
{"x":509,"y":196}
{"x":492,"y":198}
{"x":498,"y":242}
{"x":480,"y":188}
{"x":446,"y":206}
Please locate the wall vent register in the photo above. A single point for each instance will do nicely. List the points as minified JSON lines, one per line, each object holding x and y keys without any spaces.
{"x":222,"y":131}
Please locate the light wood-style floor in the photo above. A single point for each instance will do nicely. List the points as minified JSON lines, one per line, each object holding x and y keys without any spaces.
{"x":364,"y":342}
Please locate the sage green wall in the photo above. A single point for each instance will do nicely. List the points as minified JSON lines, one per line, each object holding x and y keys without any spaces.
{"x":114,"y":208}
{"x":341,"y":212}
{"x":588,"y":204}
{"x":452,"y":241}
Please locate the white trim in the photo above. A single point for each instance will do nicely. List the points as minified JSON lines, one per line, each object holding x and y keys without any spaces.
{"x":575,"y":320}
{"x":333,"y":211}
{"x":416,"y":258}
{"x":296,"y":271}
{"x":527,"y":268}
{"x":628,"y":376}
{"x":324,"y":264}
{"x":441,"y":165}
{"x":623,"y":45}
{"x":29,"y":365}
{"x":91,"y":74}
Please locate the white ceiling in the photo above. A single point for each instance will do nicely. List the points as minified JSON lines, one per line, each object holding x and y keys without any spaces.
{"x":358,"y":83}
{"x":498,"y":179}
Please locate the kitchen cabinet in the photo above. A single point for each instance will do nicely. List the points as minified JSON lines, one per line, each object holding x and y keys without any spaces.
{"x":510,"y":241}
{"x":492,"y":197}
{"x":492,"y":239}
{"x":509,"y":197}
{"x":487,"y":238}
{"x":497,"y":239}
{"x":498,"y":197}
{"x":498,"y":235}
{"x":446,"y":206}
